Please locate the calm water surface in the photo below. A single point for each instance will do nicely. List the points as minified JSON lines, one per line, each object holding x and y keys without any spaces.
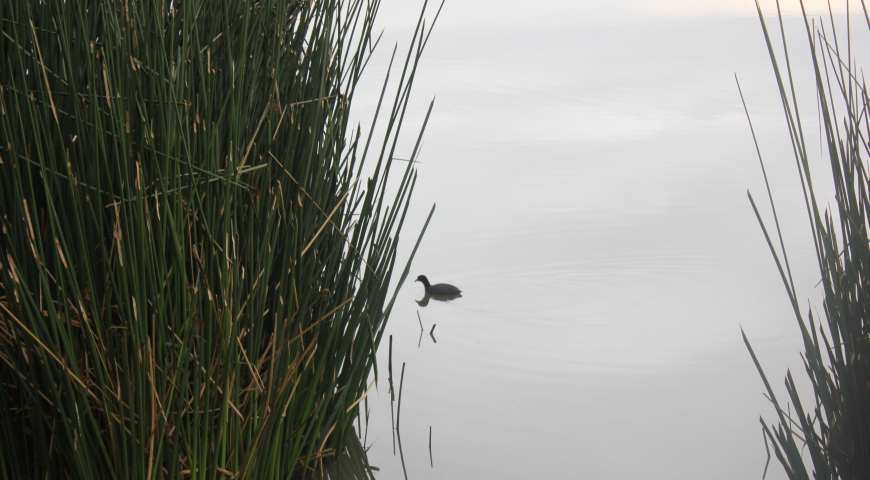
{"x":590,"y":167}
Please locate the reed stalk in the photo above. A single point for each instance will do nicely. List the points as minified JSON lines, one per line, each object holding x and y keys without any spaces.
{"x":833,"y":427}
{"x":193,"y":272}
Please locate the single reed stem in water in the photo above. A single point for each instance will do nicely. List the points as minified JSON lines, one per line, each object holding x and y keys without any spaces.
{"x":399,"y":405}
{"x":390,"y":371}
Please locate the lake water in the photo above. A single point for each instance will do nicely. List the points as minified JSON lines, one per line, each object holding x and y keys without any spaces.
{"x":590,"y":162}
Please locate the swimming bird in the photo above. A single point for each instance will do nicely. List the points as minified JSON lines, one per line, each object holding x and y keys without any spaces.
{"x":438,"y":288}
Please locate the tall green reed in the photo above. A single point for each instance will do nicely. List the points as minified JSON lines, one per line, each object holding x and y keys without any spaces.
{"x":833,"y":426}
{"x":194,"y":279}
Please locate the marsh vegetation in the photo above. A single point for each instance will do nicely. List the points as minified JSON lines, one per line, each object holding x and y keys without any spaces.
{"x":833,"y":425}
{"x":196,"y":243}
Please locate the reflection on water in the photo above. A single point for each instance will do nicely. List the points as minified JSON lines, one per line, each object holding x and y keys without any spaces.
{"x":351,"y":464}
{"x":441,"y":298}
{"x":591,"y":189}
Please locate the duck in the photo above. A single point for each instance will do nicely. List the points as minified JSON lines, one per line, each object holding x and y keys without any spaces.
{"x":440,"y":289}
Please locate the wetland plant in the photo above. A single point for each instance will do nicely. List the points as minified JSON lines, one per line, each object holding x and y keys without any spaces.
{"x":193,"y":275}
{"x":832,"y":427}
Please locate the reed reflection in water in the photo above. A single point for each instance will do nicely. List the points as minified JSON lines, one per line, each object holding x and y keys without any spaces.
{"x":590,"y":166}
{"x":351,"y":464}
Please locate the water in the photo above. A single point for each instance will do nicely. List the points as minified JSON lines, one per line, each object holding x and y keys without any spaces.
{"x":590,"y":164}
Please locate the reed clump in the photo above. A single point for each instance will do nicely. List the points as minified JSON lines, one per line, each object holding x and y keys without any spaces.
{"x":833,"y":427}
{"x":193,"y":277}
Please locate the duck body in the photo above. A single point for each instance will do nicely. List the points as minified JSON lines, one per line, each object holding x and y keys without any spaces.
{"x":441,"y":289}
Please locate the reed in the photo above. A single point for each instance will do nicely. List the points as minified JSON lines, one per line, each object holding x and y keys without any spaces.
{"x":833,"y":426}
{"x":194,"y":279}
{"x":351,"y":464}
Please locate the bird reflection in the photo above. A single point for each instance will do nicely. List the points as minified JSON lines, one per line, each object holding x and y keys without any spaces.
{"x":441,"y":298}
